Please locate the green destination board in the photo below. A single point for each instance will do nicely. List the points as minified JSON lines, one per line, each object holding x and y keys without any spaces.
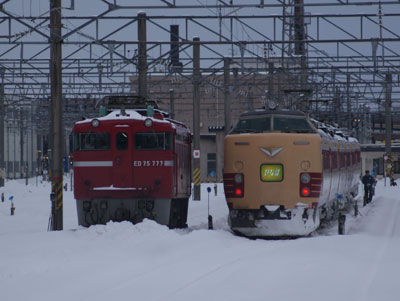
{"x":271,"y":172}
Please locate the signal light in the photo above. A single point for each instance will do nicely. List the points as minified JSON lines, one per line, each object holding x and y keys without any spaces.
{"x":234,"y":185}
{"x":238,"y":191}
{"x":305,"y":191}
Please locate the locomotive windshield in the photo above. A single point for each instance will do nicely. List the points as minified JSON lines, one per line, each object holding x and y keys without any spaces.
{"x":153,"y":141}
{"x":284,"y":124}
{"x":91,"y":141}
{"x":292,"y":125}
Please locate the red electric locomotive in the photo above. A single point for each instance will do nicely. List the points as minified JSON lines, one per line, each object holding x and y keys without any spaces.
{"x":131,"y":166}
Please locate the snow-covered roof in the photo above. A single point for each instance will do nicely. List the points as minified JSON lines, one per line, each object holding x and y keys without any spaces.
{"x":117,"y":115}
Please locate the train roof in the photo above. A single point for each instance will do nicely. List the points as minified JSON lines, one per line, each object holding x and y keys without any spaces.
{"x":117,"y":115}
{"x":273,"y":112}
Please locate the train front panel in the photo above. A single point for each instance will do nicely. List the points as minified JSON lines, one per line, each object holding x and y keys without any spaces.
{"x":271,"y":167}
{"x":130,"y":175}
{"x":273,"y":179}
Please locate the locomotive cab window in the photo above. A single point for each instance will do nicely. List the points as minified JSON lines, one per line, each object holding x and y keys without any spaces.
{"x":121,"y":141}
{"x":153,"y":141}
{"x":253,"y":125}
{"x":91,"y":141}
{"x":271,"y":123}
{"x":292,"y":125}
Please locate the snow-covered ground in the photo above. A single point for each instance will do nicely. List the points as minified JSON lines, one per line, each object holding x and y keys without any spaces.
{"x":147,"y":261}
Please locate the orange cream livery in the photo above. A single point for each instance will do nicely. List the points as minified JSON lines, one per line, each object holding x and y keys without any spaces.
{"x":283,"y":173}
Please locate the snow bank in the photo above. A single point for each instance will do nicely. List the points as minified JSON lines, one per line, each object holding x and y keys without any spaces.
{"x":148,"y":261}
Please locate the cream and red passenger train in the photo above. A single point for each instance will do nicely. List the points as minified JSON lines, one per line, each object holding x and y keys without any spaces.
{"x":284,"y":173}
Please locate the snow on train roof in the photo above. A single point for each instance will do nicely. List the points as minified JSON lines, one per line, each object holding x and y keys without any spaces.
{"x":328,"y":130}
{"x":116,"y":115}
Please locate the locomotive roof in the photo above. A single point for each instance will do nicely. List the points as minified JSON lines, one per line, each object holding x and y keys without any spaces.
{"x":273,"y":112}
{"x":117,"y":116}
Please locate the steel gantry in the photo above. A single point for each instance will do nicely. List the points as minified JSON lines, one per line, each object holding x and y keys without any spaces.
{"x":330,"y":58}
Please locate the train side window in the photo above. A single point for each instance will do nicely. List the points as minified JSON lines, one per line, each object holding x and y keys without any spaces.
{"x":121,"y":141}
{"x":326,"y":160}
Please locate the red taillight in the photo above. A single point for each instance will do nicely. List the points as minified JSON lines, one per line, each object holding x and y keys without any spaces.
{"x":310,"y":184}
{"x":234,"y":185}
{"x":305,"y":191}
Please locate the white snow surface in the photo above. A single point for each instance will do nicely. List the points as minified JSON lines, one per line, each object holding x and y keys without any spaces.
{"x":148,"y":261}
{"x":116,"y":114}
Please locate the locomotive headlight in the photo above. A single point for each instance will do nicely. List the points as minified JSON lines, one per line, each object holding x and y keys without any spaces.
{"x":95,"y":123}
{"x":272,"y":104}
{"x":305,"y":178}
{"x":148,"y":122}
{"x":238,"y":178}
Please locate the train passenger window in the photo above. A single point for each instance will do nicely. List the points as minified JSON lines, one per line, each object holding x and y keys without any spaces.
{"x":253,"y":125}
{"x":91,"y":141}
{"x":326,"y":160}
{"x":153,"y":141}
{"x":292,"y":125}
{"x":121,"y":140}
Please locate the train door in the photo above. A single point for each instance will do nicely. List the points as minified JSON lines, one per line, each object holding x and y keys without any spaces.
{"x":122,"y":156}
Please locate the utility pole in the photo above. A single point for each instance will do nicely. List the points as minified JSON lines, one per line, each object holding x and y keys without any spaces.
{"x":56,"y":111}
{"x":196,"y":118}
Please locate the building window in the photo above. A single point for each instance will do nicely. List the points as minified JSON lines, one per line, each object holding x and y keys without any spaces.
{"x":378,"y":166}
{"x":396,"y":168}
{"x":211,"y":164}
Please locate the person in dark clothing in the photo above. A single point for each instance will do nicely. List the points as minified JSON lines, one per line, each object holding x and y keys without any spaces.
{"x":369,"y":183}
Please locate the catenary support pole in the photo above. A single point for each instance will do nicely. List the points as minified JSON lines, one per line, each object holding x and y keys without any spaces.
{"x":388,"y":114}
{"x":349,"y":119}
{"x":21,"y":143}
{"x":227,"y":95}
{"x":196,"y":119}
{"x":172,"y":103}
{"x":56,"y":110}
{"x":2,"y":150}
{"x":388,"y":127}
{"x":142,"y":63}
